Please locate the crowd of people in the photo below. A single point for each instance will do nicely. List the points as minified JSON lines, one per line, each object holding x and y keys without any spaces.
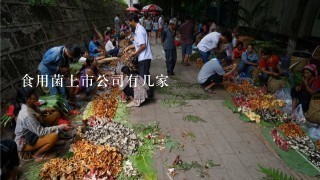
{"x":220,"y":51}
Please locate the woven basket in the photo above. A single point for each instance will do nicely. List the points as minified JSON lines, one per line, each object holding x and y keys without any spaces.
{"x":275,"y":84}
{"x":299,"y":60}
{"x":313,"y":114}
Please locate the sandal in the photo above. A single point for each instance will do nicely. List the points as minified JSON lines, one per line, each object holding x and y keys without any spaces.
{"x":209,"y":91}
{"x":45,"y":157}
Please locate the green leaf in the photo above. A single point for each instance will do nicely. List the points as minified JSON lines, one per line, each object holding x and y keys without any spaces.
{"x":193,"y":118}
{"x":274,"y":174}
{"x":144,"y":163}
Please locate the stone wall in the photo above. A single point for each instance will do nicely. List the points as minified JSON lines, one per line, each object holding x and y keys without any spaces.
{"x":28,"y":31}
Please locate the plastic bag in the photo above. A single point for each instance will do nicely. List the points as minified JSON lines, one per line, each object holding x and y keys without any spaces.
{"x":284,"y":95}
{"x":298,"y":116}
{"x":314,"y":133}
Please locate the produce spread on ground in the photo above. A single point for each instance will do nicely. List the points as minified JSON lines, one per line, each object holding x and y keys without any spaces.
{"x":288,"y":136}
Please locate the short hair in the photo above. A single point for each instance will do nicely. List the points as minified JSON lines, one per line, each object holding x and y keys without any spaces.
{"x":187,"y":17}
{"x":222,"y":55}
{"x":133,"y":17}
{"x":125,"y":70}
{"x":251,"y":45}
{"x":74,"y":50}
{"x":227,"y":34}
{"x":118,"y":15}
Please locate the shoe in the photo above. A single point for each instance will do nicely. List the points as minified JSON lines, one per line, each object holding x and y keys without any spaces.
{"x":131,"y":104}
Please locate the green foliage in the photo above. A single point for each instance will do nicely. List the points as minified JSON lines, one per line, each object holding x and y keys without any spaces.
{"x":75,"y":67}
{"x":274,"y":174}
{"x":193,"y":118}
{"x":170,"y":144}
{"x":172,"y":103}
{"x":42,"y":2}
{"x":32,"y":171}
{"x":55,"y":101}
{"x":5,"y":120}
{"x":190,"y":135}
{"x":122,"y":114}
{"x":69,"y":154}
{"x":258,"y":17}
{"x":144,"y":163}
{"x":194,"y":56}
{"x":200,"y":169}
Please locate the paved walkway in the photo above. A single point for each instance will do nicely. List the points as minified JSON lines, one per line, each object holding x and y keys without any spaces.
{"x":223,"y":138}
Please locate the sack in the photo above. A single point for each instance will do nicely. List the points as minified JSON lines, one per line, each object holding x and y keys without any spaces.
{"x":313,"y":114}
{"x":275,"y":84}
{"x":31,"y":138}
{"x":298,"y":116}
{"x":284,"y":95}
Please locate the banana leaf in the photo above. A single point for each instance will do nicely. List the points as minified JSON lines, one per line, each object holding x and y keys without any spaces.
{"x":144,"y":163}
{"x":55,"y":101}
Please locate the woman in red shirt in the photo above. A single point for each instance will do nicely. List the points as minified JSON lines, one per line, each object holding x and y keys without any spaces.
{"x":238,"y":50}
{"x":310,"y":85}
{"x":269,"y":65}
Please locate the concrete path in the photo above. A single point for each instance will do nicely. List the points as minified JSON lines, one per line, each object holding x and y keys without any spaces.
{"x":237,"y":146}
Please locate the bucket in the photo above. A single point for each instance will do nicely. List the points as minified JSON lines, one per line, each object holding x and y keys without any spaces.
{"x":299,"y":60}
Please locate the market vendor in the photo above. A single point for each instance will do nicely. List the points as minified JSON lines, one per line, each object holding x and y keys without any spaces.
{"x":211,"y":41}
{"x":56,"y":62}
{"x":137,"y":90}
{"x":302,"y":93}
{"x":95,"y":49}
{"x":269,"y":66}
{"x":249,"y":61}
{"x":212,"y":73}
{"x":30,"y":134}
{"x":237,"y":51}
{"x":110,"y":48}
{"x":88,"y":70}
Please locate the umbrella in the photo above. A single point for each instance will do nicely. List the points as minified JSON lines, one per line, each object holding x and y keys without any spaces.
{"x":152,"y":7}
{"x":132,"y":9}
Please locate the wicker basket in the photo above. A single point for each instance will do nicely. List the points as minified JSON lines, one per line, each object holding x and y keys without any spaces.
{"x":299,"y":60}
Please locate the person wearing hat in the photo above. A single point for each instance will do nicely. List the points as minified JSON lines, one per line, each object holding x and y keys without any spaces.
{"x":167,"y":39}
{"x":211,"y":41}
{"x":310,"y":84}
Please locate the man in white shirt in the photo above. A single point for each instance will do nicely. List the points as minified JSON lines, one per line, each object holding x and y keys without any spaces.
{"x":141,"y":44}
{"x":161,"y":24}
{"x":110,"y":47}
{"x":211,"y":41}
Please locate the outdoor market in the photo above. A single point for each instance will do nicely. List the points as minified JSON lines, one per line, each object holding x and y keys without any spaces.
{"x":160,"y":90}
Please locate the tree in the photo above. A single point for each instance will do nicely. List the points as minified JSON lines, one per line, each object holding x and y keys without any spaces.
{"x":295,"y":26}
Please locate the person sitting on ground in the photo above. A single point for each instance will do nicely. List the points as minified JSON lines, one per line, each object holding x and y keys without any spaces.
{"x":89,"y":69}
{"x":113,"y":51}
{"x":302,"y":93}
{"x":30,"y":134}
{"x":237,"y":52}
{"x":211,"y":41}
{"x":135,"y":89}
{"x":212,"y":73}
{"x":249,"y":61}
{"x":107,"y":34}
{"x":95,"y":49}
{"x":269,"y":66}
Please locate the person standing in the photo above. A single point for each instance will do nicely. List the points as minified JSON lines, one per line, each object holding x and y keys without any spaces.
{"x":148,"y":26}
{"x":161,"y":24}
{"x":117,"y":23}
{"x":141,"y":44}
{"x":211,"y":41}
{"x":167,"y":39}
{"x":186,"y":31}
{"x":156,"y":29}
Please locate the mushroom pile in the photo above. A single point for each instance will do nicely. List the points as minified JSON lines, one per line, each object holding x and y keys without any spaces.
{"x":115,"y":135}
{"x":87,"y":158}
